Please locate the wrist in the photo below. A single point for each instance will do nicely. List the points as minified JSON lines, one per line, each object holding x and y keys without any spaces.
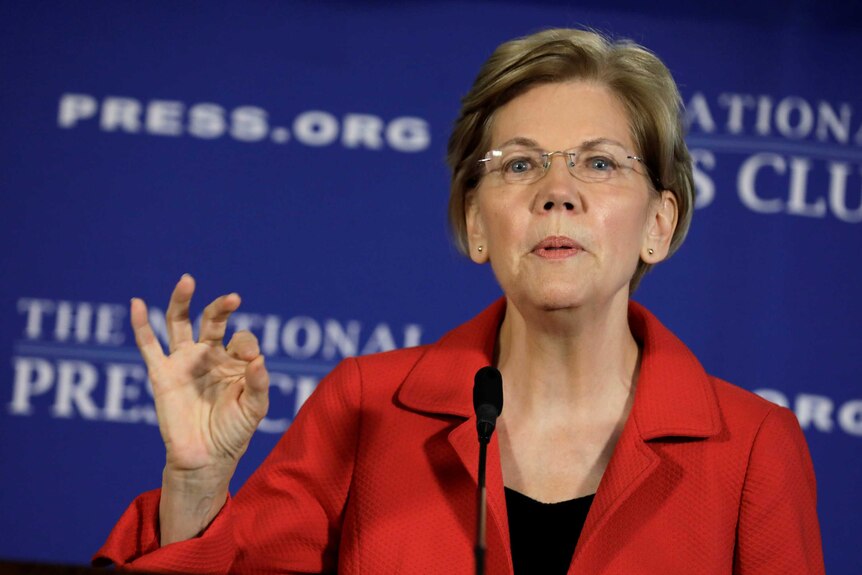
{"x":189,"y":502}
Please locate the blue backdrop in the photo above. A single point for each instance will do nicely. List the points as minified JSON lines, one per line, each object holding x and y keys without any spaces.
{"x":293,"y":152}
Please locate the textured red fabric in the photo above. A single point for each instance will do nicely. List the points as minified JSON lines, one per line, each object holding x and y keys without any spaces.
{"x":377,"y":475}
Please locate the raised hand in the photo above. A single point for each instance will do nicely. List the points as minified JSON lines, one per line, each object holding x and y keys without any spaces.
{"x":209,"y":400}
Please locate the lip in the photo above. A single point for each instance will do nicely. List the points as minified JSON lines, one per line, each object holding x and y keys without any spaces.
{"x":557,"y":247}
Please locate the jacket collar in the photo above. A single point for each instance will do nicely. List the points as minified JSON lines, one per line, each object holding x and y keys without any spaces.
{"x":442,"y":379}
{"x":674,"y":395}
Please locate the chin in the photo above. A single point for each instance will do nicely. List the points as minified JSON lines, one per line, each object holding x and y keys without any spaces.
{"x":559,"y":304}
{"x":565,"y":295}
{"x":552,"y":297}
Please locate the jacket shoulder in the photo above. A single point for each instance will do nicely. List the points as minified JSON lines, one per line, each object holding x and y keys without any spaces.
{"x":741,"y":407}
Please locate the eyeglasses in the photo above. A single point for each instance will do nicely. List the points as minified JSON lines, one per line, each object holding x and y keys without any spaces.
{"x":592,"y":162}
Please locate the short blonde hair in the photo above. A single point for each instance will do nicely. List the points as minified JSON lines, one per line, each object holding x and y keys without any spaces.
{"x":639,"y":79}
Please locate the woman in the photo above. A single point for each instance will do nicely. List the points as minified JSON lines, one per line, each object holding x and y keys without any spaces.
{"x":571,"y":178}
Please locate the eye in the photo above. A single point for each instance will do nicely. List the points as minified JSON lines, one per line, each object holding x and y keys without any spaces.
{"x":519,"y":164}
{"x":601,"y":163}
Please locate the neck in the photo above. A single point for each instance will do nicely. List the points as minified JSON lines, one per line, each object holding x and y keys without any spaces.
{"x":573,"y":361}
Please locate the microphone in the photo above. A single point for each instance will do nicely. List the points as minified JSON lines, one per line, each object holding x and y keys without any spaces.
{"x":487,"y":401}
{"x":488,"y":404}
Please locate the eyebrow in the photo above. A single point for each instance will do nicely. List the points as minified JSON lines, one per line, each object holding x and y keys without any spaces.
{"x":519,"y":141}
{"x":530,"y":143}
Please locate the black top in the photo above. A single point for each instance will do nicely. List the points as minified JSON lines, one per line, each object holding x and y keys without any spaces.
{"x":544,"y":535}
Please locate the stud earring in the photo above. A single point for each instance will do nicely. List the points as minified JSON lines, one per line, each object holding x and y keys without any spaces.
{"x":479,"y":249}
{"x":650,"y":251}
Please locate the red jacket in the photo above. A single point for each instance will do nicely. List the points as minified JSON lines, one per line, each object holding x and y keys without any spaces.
{"x":377,"y":475}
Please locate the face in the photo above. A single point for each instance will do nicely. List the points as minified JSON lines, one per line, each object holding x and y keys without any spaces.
{"x":560,"y":242}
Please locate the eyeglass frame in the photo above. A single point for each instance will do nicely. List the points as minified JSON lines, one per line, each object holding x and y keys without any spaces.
{"x":547,"y":158}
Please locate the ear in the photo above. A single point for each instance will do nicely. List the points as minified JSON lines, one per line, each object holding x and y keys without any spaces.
{"x":476,"y":238}
{"x":661,"y":222}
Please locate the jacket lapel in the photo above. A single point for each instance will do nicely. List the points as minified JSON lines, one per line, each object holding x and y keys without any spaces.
{"x":465,"y":442}
{"x":441,"y":382}
{"x":674,"y":398}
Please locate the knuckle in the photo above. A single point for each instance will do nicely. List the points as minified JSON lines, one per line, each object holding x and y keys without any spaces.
{"x":175,"y":313}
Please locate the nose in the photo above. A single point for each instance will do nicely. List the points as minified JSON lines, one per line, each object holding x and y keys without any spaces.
{"x":558,"y":189}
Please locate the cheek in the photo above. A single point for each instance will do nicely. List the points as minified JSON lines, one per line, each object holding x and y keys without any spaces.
{"x":625,"y":226}
{"x":495,"y":220}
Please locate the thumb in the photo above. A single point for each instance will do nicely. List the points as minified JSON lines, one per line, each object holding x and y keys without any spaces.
{"x":255,"y":396}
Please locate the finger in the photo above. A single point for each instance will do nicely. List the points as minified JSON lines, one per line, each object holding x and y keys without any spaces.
{"x":243,"y":345}
{"x":255,"y":396}
{"x":214,"y":320}
{"x":148,"y":344}
{"x":177,"y":317}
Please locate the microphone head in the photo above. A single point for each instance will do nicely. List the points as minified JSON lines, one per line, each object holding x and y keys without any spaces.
{"x":487,"y":401}
{"x":488,"y":390}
